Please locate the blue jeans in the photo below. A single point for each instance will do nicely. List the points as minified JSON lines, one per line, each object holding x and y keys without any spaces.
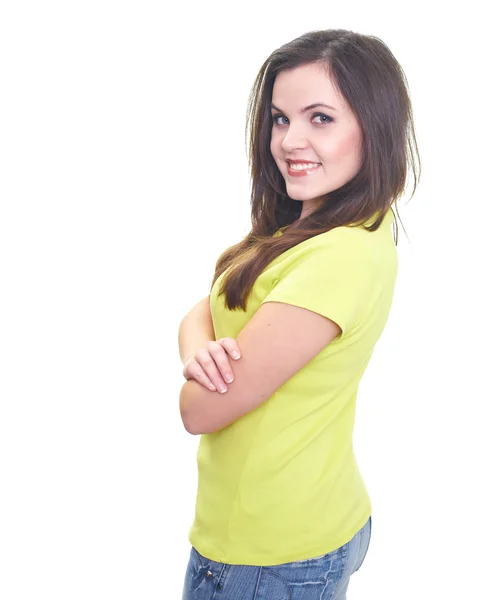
{"x":323,"y":578}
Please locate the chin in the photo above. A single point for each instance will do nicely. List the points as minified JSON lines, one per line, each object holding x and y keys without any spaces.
{"x":300,"y":197}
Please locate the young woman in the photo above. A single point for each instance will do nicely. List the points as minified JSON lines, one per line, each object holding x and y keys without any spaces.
{"x":282,"y":510}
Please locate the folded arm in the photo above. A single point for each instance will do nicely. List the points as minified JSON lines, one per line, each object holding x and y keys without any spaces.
{"x":275,"y":344}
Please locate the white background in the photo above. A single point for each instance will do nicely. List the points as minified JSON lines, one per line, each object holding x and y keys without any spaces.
{"x":123,"y":177}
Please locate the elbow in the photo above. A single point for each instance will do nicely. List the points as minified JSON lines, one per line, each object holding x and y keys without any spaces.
{"x":195,"y":413}
{"x":186,"y":408}
{"x":189,"y":425}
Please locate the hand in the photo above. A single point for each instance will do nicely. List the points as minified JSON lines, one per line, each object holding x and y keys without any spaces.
{"x":211,"y":364}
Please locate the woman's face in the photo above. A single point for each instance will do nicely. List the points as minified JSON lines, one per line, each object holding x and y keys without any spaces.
{"x":324,"y":141}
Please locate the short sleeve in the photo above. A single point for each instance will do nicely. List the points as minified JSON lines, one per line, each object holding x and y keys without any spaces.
{"x":330,"y":275}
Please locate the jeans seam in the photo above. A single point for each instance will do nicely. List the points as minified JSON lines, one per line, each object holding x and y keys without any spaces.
{"x":369,"y":540}
{"x":198,"y":557}
{"x":360,"y":543}
{"x":258,"y":582}
{"x":362,"y":546}
{"x":343,"y":569}
{"x":222,"y":576}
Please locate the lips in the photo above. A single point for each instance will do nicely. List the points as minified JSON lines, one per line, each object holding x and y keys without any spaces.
{"x":302,"y":162}
{"x":302,"y":172}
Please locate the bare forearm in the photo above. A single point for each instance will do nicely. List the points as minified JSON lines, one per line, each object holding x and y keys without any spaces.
{"x":195,"y":329}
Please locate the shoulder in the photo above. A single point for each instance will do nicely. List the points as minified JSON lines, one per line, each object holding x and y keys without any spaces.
{"x":341,"y":244}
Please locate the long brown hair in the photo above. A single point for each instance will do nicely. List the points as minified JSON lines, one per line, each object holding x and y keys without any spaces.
{"x":373,"y":83}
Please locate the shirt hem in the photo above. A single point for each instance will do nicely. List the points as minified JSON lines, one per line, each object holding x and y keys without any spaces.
{"x":256,"y":560}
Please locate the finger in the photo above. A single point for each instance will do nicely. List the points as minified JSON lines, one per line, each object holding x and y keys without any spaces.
{"x":201,"y":377}
{"x":210,"y":368}
{"x":192,"y":370}
{"x":220,"y":357}
{"x":231,"y":347}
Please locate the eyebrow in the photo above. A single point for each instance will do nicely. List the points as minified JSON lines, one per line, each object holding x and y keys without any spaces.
{"x":310,"y":107}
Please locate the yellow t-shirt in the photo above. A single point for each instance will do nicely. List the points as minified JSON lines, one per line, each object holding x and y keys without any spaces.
{"x":282,"y":483}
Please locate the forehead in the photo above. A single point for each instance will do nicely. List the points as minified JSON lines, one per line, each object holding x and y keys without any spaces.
{"x":304,"y":85}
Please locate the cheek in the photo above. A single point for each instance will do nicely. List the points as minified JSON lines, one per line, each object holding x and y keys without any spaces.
{"x":341,"y":150}
{"x":349,"y":148}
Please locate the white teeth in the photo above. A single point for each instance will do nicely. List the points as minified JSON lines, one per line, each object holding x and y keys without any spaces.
{"x":301,"y":167}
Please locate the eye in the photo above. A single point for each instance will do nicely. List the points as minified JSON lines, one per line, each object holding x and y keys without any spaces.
{"x":275,"y":119}
{"x":321,"y":115}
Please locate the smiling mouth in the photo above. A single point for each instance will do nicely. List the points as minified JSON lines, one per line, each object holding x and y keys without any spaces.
{"x":301,"y":170}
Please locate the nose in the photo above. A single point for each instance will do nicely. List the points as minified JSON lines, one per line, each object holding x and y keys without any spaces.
{"x":294,"y":139}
